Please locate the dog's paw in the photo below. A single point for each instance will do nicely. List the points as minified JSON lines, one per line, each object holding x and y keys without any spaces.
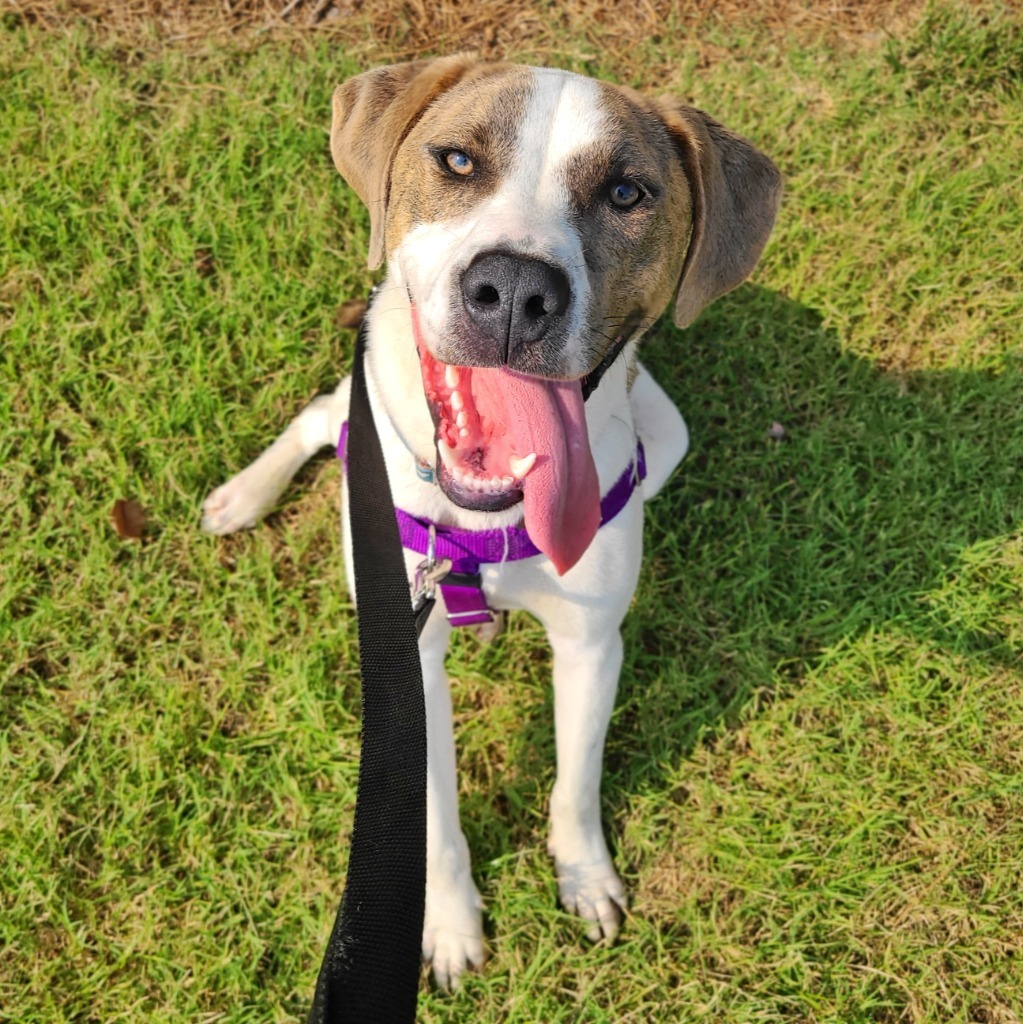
{"x":237,"y":505}
{"x":594,"y":891}
{"x":453,"y":933}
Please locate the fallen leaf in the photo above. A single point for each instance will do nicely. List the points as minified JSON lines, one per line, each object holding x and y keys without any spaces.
{"x":350,"y":313}
{"x":129,"y":519}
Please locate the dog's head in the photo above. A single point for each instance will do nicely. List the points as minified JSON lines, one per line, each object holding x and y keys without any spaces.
{"x":538,"y":219}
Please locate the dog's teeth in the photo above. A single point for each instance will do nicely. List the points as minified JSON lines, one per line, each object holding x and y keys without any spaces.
{"x":451,"y":376}
{"x":463,"y":432}
{"x":506,"y":481}
{"x":447,"y":454}
{"x":457,"y":473}
{"x":495,"y":483}
{"x":520,"y":467}
{"x":457,"y":401}
{"x":462,"y":420}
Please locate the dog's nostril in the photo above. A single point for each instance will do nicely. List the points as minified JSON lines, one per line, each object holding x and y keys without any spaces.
{"x":487,"y":294}
{"x":535,"y":307}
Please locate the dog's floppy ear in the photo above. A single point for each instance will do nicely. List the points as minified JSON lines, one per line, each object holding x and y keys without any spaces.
{"x":373,"y":113}
{"x":736,"y":191}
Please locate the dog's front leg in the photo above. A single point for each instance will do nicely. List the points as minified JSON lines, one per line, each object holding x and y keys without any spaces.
{"x":250,"y":494}
{"x":586,"y":672}
{"x":583,"y":618}
{"x":453,"y":929}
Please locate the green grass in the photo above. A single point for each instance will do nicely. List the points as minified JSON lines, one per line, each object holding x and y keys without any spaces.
{"x":814,"y":780}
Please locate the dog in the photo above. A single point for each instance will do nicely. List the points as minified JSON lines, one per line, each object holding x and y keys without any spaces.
{"x":534,"y":223}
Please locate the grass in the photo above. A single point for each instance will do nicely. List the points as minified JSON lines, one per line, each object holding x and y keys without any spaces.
{"x":814,"y":777}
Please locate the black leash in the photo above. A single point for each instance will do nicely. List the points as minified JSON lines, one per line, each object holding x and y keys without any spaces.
{"x":370,"y":972}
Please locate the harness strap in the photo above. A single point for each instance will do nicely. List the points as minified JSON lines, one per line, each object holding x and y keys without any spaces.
{"x":469,"y":550}
{"x":464,"y":599}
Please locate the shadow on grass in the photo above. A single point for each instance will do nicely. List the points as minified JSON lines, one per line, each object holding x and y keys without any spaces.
{"x":764,"y":552}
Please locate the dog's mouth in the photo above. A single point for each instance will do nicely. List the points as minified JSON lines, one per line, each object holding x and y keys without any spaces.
{"x":503,"y":437}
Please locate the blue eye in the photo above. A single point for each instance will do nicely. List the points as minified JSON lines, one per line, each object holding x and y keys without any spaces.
{"x":624,"y":194}
{"x":458,"y":162}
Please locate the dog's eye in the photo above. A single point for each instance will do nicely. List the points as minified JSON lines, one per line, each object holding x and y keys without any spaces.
{"x":458,"y":162}
{"x":624,"y":194}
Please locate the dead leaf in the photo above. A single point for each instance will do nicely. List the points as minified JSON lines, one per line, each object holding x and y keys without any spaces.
{"x":129,"y":519}
{"x":350,"y":313}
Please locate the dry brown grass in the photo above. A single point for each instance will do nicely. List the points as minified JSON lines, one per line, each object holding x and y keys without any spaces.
{"x":398,"y":29}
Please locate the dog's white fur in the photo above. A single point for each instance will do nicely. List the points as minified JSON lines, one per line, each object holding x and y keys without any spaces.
{"x":581,"y":610}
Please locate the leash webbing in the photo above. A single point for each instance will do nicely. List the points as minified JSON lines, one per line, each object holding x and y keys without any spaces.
{"x":370,"y":972}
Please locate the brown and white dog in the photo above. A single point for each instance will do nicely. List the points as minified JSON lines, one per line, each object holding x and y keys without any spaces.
{"x":530,"y":219}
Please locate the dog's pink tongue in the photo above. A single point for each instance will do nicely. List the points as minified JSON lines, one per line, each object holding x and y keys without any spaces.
{"x":561,"y":494}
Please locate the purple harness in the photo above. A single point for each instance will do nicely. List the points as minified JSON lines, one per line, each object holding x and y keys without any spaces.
{"x":468,"y":550}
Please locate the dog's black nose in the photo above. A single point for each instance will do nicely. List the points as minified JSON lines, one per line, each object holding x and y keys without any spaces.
{"x":514,"y":300}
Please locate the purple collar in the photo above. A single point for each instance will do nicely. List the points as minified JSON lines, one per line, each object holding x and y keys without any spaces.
{"x":470,"y":549}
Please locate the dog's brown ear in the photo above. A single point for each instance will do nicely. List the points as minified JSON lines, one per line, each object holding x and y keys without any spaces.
{"x":736,"y":191}
{"x":373,"y":113}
